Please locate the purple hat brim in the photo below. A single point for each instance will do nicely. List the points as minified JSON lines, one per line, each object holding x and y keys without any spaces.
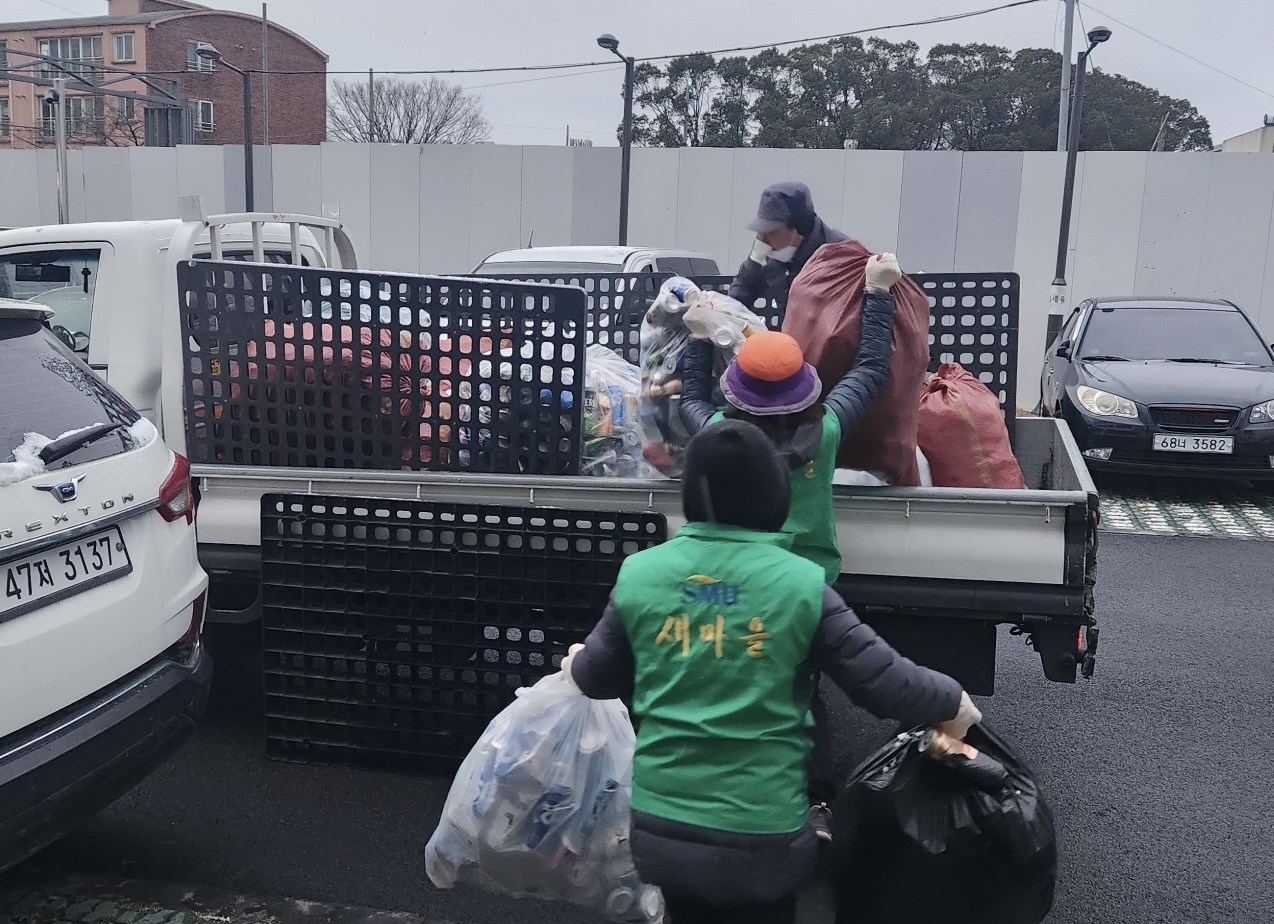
{"x":770,"y":399}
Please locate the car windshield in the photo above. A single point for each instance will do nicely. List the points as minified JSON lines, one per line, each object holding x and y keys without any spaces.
{"x":545,"y":268}
{"x":47,"y":391}
{"x":1183,"y":334}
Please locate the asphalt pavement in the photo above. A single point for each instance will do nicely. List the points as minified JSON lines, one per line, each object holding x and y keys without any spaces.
{"x":1158,"y":771}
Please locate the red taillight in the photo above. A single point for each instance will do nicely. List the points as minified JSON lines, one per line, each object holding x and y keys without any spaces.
{"x":176,"y":494}
{"x":196,"y":620}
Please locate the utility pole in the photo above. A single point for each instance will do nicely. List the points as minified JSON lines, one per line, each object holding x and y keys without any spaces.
{"x":59,"y":137}
{"x":371,"y":105}
{"x":265,"y":72}
{"x":1063,"y":112}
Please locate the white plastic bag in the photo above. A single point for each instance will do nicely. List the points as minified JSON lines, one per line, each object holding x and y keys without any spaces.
{"x":612,"y":429}
{"x":540,"y":807}
{"x":679,"y":312}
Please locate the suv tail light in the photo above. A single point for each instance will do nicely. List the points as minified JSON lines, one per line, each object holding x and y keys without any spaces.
{"x":176,"y":494}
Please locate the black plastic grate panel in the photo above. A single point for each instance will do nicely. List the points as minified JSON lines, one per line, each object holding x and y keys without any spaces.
{"x":394,"y":631}
{"x":317,"y":368}
{"x":973,"y":319}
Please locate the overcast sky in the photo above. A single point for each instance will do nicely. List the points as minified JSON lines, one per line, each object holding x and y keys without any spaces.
{"x":1231,"y":35}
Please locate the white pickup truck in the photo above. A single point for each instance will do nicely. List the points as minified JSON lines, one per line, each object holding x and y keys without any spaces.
{"x":280,"y":369}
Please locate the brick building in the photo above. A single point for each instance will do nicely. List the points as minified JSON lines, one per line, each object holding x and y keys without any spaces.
{"x":160,"y":38}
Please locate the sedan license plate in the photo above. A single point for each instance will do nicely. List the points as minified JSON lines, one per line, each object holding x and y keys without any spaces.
{"x":1185,"y":442}
{"x":40,"y":579}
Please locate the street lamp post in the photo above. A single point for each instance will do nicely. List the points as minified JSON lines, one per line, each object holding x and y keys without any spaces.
{"x":208,"y":53}
{"x":611,"y":44}
{"x":1096,"y":36}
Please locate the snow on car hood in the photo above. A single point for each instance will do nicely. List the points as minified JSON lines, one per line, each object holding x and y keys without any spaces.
{"x":26,"y":455}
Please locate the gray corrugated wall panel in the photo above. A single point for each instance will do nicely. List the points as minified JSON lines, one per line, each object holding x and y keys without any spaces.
{"x":753,"y":169}
{"x":1236,"y":233}
{"x":548,"y":189}
{"x":595,"y":196}
{"x":495,"y":197}
{"x":263,"y":188}
{"x":986,"y":232}
{"x":705,"y":188}
{"x":824,"y":173}
{"x":929,"y":211}
{"x":232,"y":170}
{"x":296,"y":173}
{"x":346,"y":173}
{"x":1106,"y":232}
{"x":652,"y":209}
{"x":1172,"y":221}
{"x":445,"y":216}
{"x":1039,"y":211}
{"x":236,"y":193}
{"x":153,"y":175}
{"x":46,"y":186}
{"x":20,"y":186}
{"x":872,"y":203}
{"x":107,"y":184}
{"x":395,"y":204}
{"x":201,"y":172}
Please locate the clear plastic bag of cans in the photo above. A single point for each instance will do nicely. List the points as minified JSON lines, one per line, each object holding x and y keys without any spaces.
{"x":612,"y":430}
{"x":540,"y":807}
{"x":682,"y":312}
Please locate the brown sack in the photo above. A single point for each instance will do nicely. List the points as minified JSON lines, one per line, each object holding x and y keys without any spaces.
{"x":963,"y":435}
{"x":825,"y":315}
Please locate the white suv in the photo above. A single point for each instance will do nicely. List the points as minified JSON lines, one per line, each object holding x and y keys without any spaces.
{"x":102,"y":672}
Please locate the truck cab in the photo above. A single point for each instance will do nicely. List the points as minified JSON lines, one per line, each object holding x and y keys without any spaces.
{"x":549,"y":261}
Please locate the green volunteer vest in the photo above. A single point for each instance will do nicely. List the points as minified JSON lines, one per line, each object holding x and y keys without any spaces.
{"x":721,"y":620}
{"x":812,"y":522}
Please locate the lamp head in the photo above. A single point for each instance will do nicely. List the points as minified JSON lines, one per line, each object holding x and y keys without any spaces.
{"x":609,"y":42}
{"x":1097,"y":35}
{"x":208,"y":53}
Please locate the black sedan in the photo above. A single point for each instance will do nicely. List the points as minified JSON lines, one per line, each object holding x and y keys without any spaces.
{"x":1164,"y":385}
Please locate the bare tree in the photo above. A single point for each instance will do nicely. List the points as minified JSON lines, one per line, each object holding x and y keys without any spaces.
{"x":406,"y":112}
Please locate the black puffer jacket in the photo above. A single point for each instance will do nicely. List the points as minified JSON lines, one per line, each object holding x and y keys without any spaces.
{"x":850,"y":399}
{"x":772,"y":280}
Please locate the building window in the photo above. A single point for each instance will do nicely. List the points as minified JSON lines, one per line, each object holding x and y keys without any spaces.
{"x":85,"y":117}
{"x":124,"y":47}
{"x":127,"y":109}
{"x":196,"y":63}
{"x":203,"y":115}
{"x":77,"y":53}
{"x":4,"y":118}
{"x":4,"y":55}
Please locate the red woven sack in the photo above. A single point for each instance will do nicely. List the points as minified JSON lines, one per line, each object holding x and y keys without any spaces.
{"x":962,"y":433}
{"x":825,"y":315}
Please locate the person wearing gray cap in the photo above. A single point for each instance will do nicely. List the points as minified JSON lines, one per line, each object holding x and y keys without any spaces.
{"x":787,"y":233}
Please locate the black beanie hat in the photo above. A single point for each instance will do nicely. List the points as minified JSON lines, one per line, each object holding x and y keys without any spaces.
{"x":734,"y":475}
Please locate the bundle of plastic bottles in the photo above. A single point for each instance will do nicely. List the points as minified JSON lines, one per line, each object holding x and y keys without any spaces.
{"x":540,"y":807}
{"x":612,"y":430}
{"x":682,"y":312}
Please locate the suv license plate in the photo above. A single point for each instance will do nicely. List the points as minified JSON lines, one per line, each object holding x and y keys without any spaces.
{"x":67,"y":569}
{"x":1184,"y":442}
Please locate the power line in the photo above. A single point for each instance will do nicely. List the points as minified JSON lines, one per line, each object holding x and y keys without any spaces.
{"x":60,"y":7}
{"x":951,"y":17}
{"x":1184,"y":54}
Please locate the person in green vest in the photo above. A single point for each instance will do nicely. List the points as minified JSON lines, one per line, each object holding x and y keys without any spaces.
{"x":714,"y":637}
{"x":769,"y":384}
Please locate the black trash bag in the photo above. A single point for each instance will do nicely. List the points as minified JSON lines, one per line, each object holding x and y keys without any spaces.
{"x":924,"y":839}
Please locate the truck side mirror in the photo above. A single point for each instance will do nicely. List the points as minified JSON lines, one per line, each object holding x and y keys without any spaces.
{"x":1064,"y":349}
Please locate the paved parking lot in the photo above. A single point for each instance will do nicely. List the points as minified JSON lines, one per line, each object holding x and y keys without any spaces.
{"x":1179,"y":507}
{"x":1157,"y":771}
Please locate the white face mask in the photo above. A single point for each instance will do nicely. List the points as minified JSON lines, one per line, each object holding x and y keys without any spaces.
{"x":785,"y":255}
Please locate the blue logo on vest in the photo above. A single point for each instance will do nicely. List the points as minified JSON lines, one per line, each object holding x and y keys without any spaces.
{"x":700,"y":588}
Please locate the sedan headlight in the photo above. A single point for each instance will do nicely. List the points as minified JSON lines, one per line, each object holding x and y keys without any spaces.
{"x":1263,"y":413}
{"x":1104,"y":404}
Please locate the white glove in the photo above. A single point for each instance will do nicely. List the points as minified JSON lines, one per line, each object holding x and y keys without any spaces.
{"x":566,"y":663}
{"x":760,"y":252}
{"x":785,"y":255}
{"x":882,"y":272}
{"x":968,"y":716}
